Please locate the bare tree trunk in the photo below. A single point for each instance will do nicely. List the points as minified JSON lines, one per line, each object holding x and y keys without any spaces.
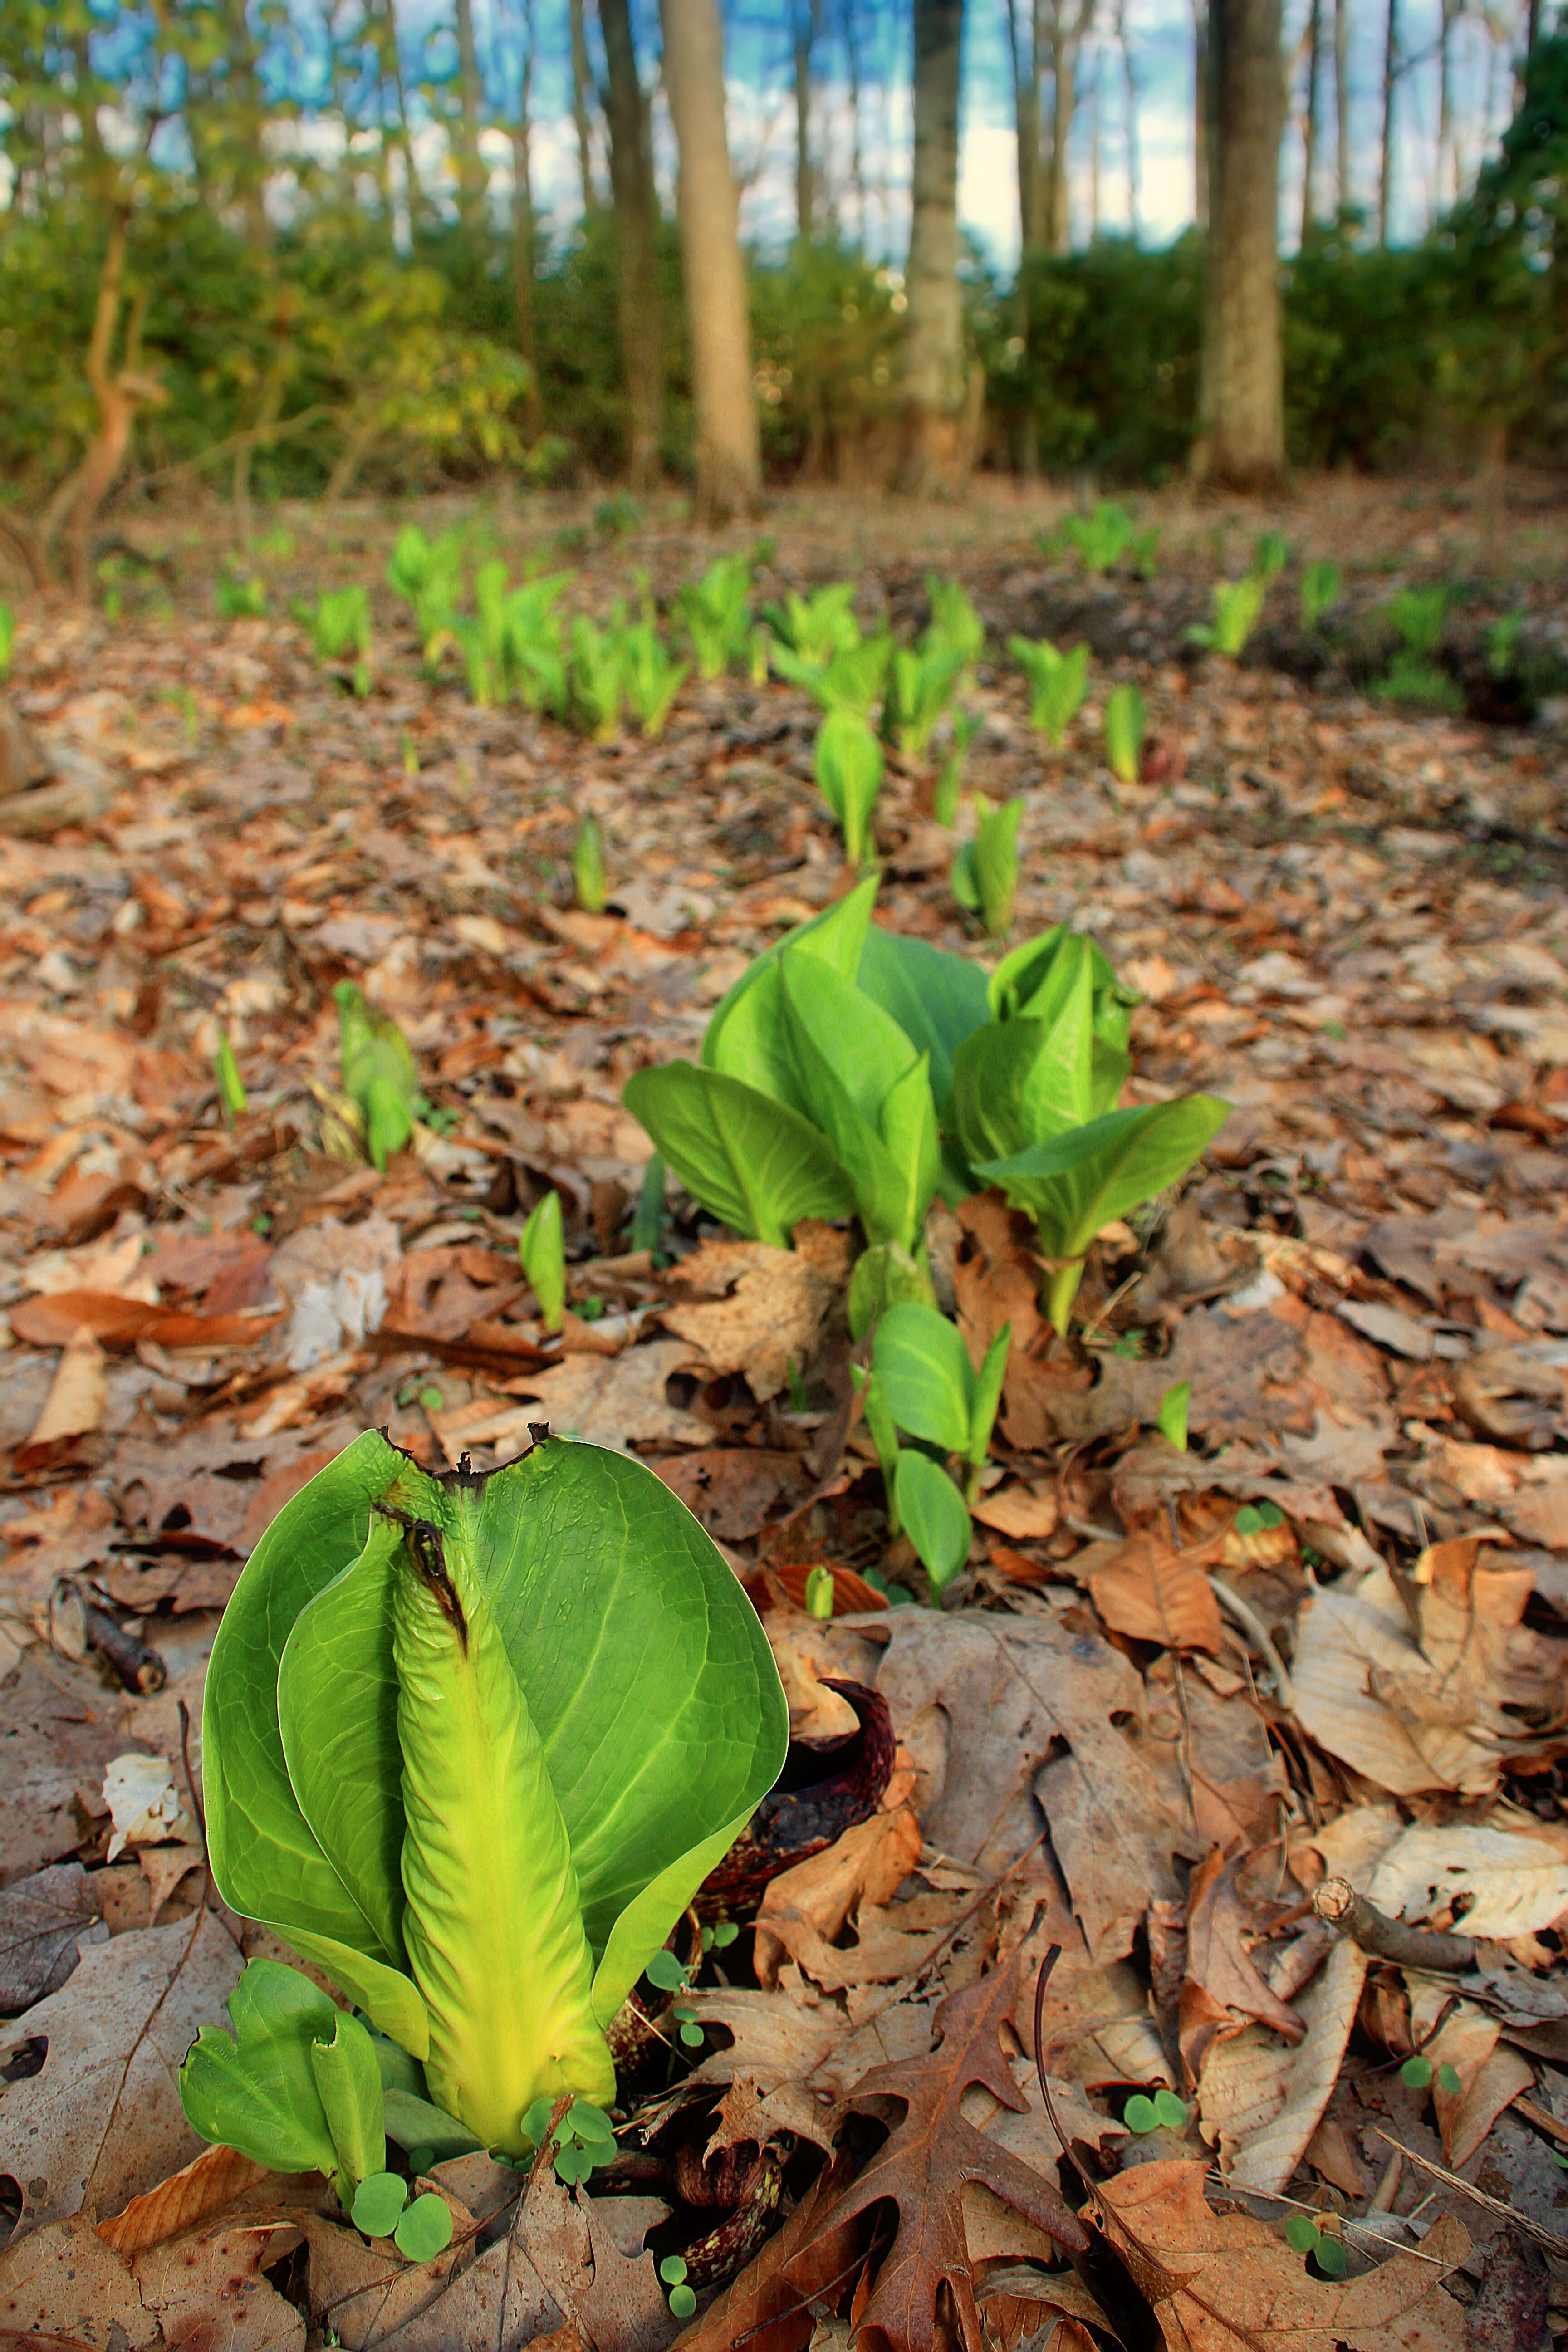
{"x":856,"y":161}
{"x":1022,"y":51}
{"x":470,"y":167}
{"x":636,"y":224}
{"x":1342,"y":186}
{"x":729,"y":457}
{"x":77,"y":500}
{"x":1094,"y":155}
{"x":934,"y":377}
{"x":1201,"y":113}
{"x":1309,"y":122}
{"x":1242,"y":396}
{"x":1385,"y":160}
{"x":1130,"y":98}
{"x":581,"y":82}
{"x":1446,"y":185}
{"x":522,"y":222}
{"x":804,"y":31}
{"x":1058,"y":223}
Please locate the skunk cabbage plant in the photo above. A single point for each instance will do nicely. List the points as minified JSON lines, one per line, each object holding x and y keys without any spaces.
{"x":471,"y":1744}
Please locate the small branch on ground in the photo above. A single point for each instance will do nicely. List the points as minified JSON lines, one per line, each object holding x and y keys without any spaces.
{"x":1336,"y":1901}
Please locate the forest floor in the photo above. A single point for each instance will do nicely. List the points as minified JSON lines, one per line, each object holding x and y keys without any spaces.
{"x":1171,"y":1694}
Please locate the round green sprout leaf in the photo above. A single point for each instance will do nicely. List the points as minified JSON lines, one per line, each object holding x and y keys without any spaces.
{"x":425,"y":2230}
{"x":1447,"y":2079}
{"x":682,"y":2302}
{"x":1171,"y":2110}
{"x":536,"y":2121}
{"x":420,"y":2160}
{"x":725,"y":1933}
{"x":590,"y":2123}
{"x":1330,"y":2257}
{"x":1301,"y":2234}
{"x":665,"y":1971}
{"x":1417,"y":2073}
{"x":693,"y":2036}
{"x":1140,"y":2115}
{"x":672,"y":2270}
{"x":573,"y":2162}
{"x":377,"y":2203}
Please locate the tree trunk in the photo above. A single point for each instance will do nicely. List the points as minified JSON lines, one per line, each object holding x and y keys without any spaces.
{"x":1446,"y":185}
{"x":581,"y":82}
{"x":1342,"y":105}
{"x":805,"y":30}
{"x":1242,"y":400}
{"x":522,"y":246}
{"x":636,"y":224}
{"x":1130,"y":98}
{"x":1385,"y":160}
{"x":1309,"y":121}
{"x":856,"y":161}
{"x":470,"y":167}
{"x":1094,"y":156}
{"x":934,"y":376}
{"x":729,"y":459}
{"x":1057,"y":222}
{"x":1201,"y":99}
{"x":1021,"y":52}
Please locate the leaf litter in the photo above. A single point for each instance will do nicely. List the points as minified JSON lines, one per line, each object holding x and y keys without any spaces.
{"x":1171,"y":1692}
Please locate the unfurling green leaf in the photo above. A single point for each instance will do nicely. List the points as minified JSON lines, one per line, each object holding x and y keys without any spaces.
{"x":996,"y":865}
{"x":647,"y":1217}
{"x":885,"y":1277}
{"x":231,"y":1092}
{"x":1126,"y":718}
{"x":1323,"y":584}
{"x":1237,"y":604}
{"x":849,"y":764}
{"x":379,"y":1076}
{"x":470,"y":1746}
{"x":819,"y":1591}
{"x":588,"y":866}
{"x":1270,"y":554}
{"x":542,"y":1248}
{"x":1172,"y":1414}
{"x":1058,"y":683}
{"x":261,"y":2091}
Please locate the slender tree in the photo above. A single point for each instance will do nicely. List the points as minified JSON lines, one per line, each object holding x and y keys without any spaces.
{"x":1386,"y":155}
{"x":636,"y":201}
{"x":1065,"y":32}
{"x":729,"y":457}
{"x":1242,"y":412}
{"x":1343,"y":188}
{"x":582,"y":84}
{"x":523,"y":217}
{"x":1201,"y":99}
{"x":1313,"y":43}
{"x":934,"y":374}
{"x":1129,"y":102}
{"x":804,"y":29}
{"x":471,"y":176}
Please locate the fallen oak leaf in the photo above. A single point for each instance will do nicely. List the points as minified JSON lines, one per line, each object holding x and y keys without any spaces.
{"x":1221,"y":1977}
{"x":922,"y":2165}
{"x":204,"y":2186}
{"x":1227,"y":2282}
{"x":1152,"y":1592}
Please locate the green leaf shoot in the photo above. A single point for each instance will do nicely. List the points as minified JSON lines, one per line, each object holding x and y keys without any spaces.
{"x":541,"y":1251}
{"x":233,"y":1100}
{"x":932,"y":1515}
{"x":588,"y":866}
{"x":848,"y":766}
{"x":1058,"y":683}
{"x":1126,"y":718}
{"x":1171,"y":1419}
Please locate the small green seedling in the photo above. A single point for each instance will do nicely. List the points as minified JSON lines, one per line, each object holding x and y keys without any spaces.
{"x":588,"y":866}
{"x":593,"y":679}
{"x":985,"y":870}
{"x":716,"y":612}
{"x":819,"y":1592}
{"x":1103,"y":538}
{"x":885,"y":1277}
{"x":1171,"y":1419}
{"x":1420,"y":684}
{"x":613,"y":517}
{"x":954,"y":623}
{"x":1270,"y":554}
{"x":849,"y":679}
{"x":682,"y":2299}
{"x":1502,"y":645}
{"x":378,"y":1073}
{"x":919,"y":686}
{"x":949,"y":788}
{"x":239,"y":600}
{"x":541,"y":1250}
{"x":428,"y":577}
{"x":583,"y":2140}
{"x":1057,"y":682}
{"x":1323,"y":584}
{"x":849,"y":764}
{"x":1420,"y":614}
{"x":1163,"y":2112}
{"x":1253,"y":1518}
{"x":816,"y":627}
{"x":1418,"y":2075}
{"x":1237,"y":604}
{"x":652,"y":680}
{"x":231,"y":1094}
{"x":1304,"y":2237}
{"x":1126,"y":720}
{"x":933,"y":1390}
{"x":339,"y":624}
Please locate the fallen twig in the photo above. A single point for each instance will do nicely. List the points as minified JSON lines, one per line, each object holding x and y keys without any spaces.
{"x":1551,"y":2238}
{"x":1337,"y":1901}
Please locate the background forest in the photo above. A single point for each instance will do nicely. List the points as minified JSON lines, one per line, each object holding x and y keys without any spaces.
{"x":284,"y":250}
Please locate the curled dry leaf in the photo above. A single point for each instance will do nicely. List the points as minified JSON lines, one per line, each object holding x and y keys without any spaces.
{"x":1153,"y":1592}
{"x":1222,"y":1984}
{"x":216,"y":2177}
{"x":75,"y":1405}
{"x":1228,"y":2282}
{"x":758,"y":1310}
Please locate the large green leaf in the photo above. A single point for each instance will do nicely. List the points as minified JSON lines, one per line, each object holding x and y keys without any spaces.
{"x":1078,"y":1183}
{"x":266,"y":1862}
{"x":255,"y":2090}
{"x":923,"y":1368}
{"x":641,"y":1659}
{"x":838,"y":935}
{"x":751,"y":1161}
{"x":936,"y":999}
{"x":868,"y":1091}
